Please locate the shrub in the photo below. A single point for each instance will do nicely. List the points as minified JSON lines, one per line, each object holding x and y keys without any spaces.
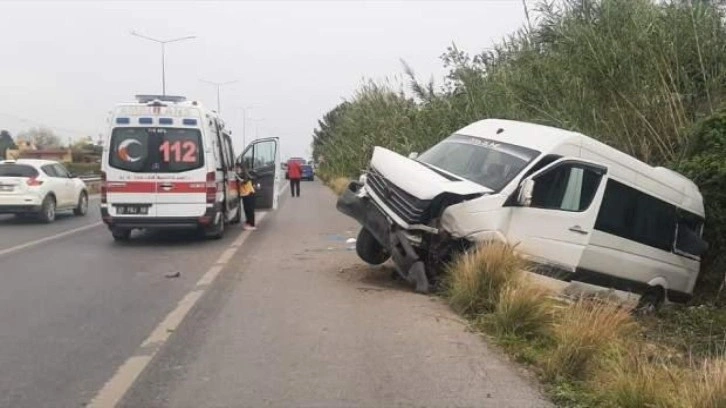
{"x":630,"y":379}
{"x":523,"y":310}
{"x":582,"y":332}
{"x":339,"y":184}
{"x":709,"y":390}
{"x":477,"y":278}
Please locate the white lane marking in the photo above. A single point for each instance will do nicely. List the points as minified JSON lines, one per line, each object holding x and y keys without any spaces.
{"x":126,"y":375}
{"x":284,"y":188}
{"x":49,"y":238}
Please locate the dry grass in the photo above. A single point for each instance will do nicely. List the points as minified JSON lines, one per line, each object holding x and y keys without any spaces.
{"x":477,"y":278}
{"x":632,"y":378}
{"x":523,"y":310}
{"x":339,"y":184}
{"x":583,"y":331}
{"x":708,"y":388}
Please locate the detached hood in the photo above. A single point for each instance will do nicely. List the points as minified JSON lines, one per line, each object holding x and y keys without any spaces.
{"x":419,"y":180}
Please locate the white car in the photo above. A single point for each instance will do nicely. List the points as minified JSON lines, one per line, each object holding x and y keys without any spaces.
{"x":40,"y":188}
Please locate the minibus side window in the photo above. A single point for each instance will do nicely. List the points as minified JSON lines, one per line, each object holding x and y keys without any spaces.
{"x":632,"y":214}
{"x":688,"y":237}
{"x":570,"y":187}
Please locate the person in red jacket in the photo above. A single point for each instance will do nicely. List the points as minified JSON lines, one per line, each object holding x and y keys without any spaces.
{"x":294,"y":173}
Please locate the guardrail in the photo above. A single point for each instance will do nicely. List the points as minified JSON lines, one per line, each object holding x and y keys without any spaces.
{"x":93,"y":184}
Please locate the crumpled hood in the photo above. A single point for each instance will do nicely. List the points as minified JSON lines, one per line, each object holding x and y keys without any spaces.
{"x":417,"y":179}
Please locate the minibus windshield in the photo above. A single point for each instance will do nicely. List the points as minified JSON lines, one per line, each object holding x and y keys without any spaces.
{"x":490,"y":163}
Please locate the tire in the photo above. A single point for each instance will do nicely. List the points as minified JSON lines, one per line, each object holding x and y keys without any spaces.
{"x":238,"y":214}
{"x":82,"y":207}
{"x":369,"y":249}
{"x":216,"y":231}
{"x":650,"y":301}
{"x":47,"y":210}
{"x":121,"y":234}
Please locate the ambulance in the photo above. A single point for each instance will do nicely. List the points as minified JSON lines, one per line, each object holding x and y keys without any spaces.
{"x":169,"y":163}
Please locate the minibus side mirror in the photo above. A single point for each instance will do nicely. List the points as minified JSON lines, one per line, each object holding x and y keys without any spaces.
{"x":524,"y":198}
{"x":413,"y":155}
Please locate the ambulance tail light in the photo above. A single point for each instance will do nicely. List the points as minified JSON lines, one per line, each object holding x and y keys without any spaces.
{"x":211,"y":187}
{"x":104,"y":191}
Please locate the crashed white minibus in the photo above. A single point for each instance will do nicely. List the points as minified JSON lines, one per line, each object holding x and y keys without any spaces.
{"x":579,"y":209}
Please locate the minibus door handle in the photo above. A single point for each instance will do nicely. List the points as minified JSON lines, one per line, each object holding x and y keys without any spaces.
{"x":578,"y":229}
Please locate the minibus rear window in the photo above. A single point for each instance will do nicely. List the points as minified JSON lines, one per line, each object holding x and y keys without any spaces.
{"x":156,"y":150}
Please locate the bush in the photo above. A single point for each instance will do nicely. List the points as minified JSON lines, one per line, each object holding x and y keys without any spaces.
{"x":632,"y":380}
{"x":704,"y":164}
{"x":582,"y":332}
{"x":709,"y":390}
{"x":83,"y":169}
{"x":477,"y":278}
{"x":339,"y":185}
{"x":523,"y":310}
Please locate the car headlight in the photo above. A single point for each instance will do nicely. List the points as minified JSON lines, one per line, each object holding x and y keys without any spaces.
{"x":362,"y":179}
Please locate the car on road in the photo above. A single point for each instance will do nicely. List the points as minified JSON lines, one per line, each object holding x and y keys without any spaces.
{"x":308,"y":172}
{"x":40,"y":188}
{"x":580,"y":210}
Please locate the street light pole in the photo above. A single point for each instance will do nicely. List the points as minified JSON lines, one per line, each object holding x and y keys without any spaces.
{"x":218,"y":85}
{"x":244,"y":125}
{"x":163,"y":52}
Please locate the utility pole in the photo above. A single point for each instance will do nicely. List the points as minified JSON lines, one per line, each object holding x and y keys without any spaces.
{"x":163,"y":53}
{"x":219,"y":85}
{"x":244,"y":125}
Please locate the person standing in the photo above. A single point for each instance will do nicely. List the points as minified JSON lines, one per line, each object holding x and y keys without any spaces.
{"x":247,"y":192}
{"x":294,"y":173}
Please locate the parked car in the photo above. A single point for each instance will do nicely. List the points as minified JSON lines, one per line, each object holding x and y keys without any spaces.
{"x":40,"y":188}
{"x":308,"y":172}
{"x":579,"y":209}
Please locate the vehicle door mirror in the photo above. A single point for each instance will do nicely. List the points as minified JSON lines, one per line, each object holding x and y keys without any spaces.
{"x":524,"y":198}
{"x":71,"y":175}
{"x":413,"y":155}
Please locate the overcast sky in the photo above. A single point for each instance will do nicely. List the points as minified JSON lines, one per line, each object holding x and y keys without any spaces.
{"x":65,"y":64}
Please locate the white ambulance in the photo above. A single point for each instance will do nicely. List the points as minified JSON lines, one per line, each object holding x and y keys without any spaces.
{"x":169,"y":163}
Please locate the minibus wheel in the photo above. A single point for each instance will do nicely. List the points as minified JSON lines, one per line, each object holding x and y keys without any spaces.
{"x":369,"y":249}
{"x":651,"y":300}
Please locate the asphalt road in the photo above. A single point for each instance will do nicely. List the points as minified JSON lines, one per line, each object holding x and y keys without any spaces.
{"x":282,"y":316}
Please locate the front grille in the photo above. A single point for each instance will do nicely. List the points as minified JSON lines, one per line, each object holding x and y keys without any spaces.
{"x":411,"y":209}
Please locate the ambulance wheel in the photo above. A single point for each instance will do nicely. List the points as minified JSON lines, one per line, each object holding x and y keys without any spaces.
{"x":238,"y":213}
{"x":217,"y":231}
{"x":121,"y":234}
{"x":369,"y":249}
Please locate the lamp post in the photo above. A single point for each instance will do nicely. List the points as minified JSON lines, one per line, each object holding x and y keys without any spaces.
{"x":163,"y":52}
{"x":218,"y":85}
{"x":244,"y":125}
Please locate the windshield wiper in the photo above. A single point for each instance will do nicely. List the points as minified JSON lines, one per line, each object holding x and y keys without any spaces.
{"x":442,"y":173}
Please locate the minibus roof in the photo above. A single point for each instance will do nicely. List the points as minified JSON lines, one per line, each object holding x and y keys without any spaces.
{"x":657,"y":181}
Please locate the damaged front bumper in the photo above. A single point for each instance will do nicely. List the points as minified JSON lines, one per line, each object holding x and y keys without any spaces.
{"x":356,"y":203}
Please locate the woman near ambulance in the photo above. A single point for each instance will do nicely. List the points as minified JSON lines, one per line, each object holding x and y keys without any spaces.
{"x":247,"y":192}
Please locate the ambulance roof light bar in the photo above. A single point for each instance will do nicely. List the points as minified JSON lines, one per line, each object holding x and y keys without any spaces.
{"x":162,"y":98}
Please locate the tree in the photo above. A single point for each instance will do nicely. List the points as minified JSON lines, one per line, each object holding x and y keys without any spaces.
{"x":42,"y":138}
{"x":6,"y":142}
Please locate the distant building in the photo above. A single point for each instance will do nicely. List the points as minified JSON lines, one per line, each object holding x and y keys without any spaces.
{"x":27,"y":150}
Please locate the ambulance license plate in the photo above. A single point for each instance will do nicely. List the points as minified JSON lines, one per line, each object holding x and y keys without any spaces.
{"x":132,"y":209}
